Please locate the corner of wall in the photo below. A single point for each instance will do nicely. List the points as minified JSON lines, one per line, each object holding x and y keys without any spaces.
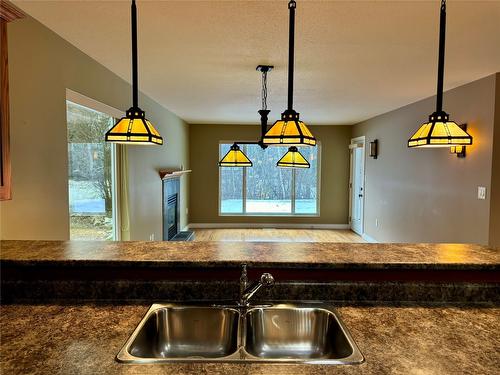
{"x":494,"y":230}
{"x":406,"y":201}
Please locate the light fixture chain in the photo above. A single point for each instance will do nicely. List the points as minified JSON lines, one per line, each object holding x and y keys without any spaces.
{"x":264,"y":90}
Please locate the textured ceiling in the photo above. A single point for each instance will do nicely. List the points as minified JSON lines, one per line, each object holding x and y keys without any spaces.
{"x":354,"y":59}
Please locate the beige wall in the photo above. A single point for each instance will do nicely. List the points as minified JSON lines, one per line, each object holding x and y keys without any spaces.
{"x":429,"y":195}
{"x":42,"y":65}
{"x":204,"y":156}
{"x":494,"y":239}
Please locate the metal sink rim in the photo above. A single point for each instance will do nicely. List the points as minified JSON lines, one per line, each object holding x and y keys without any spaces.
{"x":241,"y":355}
{"x":124,"y":355}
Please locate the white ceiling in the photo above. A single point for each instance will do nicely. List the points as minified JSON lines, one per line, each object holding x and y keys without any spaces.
{"x":354,"y":59}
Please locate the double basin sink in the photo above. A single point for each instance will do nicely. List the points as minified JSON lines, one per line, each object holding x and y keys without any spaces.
{"x":286,"y":333}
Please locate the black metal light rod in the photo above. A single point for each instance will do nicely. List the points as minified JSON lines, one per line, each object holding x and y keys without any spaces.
{"x":263,"y":121}
{"x":442,"y":32}
{"x":135,"y":84}
{"x":263,"y":126}
{"x":291,"y":39}
{"x":246,"y":143}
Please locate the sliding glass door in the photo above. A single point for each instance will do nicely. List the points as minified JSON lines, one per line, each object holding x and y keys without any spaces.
{"x":91,"y":175}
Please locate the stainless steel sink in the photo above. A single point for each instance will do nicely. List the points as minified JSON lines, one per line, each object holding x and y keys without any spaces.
{"x":292,"y":333}
{"x":301,"y":332}
{"x":183,"y":332}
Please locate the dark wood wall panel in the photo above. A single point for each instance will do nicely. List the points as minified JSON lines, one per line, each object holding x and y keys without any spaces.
{"x":5,"y":168}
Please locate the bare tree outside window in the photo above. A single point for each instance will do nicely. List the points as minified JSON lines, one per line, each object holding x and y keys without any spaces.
{"x":264,"y":188}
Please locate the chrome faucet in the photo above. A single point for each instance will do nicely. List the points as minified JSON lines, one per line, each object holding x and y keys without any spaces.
{"x":247,"y":291}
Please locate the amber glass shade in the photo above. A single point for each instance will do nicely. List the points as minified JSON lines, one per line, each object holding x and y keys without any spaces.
{"x":134,"y":128}
{"x":235,"y":158}
{"x":439,"y":132}
{"x":289,"y":131}
{"x":293,"y":159}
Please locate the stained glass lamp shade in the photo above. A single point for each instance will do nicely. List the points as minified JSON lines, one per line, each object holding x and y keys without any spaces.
{"x":235,"y":158}
{"x":134,"y":128}
{"x":293,"y":159}
{"x":289,"y":131}
{"x":439,"y":132}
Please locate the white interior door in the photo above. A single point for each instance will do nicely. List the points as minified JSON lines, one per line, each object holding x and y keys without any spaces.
{"x":357,"y":184}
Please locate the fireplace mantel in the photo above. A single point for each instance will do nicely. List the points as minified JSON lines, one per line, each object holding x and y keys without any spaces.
{"x":169,"y":173}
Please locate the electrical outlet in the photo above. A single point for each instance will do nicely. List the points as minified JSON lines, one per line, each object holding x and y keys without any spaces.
{"x":152,"y":237}
{"x":376,"y":223}
{"x":481,"y":192}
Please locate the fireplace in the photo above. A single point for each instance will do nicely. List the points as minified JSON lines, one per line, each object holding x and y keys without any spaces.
{"x":171,"y":180}
{"x":172,"y":229}
{"x":171,"y":209}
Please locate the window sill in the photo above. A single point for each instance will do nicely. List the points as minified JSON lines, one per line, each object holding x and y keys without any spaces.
{"x":269,"y":215}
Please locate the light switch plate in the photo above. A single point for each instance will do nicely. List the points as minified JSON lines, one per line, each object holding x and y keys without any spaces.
{"x":481,"y":192}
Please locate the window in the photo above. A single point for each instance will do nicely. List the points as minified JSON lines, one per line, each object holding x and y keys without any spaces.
{"x":265,"y":189}
{"x":91,"y":174}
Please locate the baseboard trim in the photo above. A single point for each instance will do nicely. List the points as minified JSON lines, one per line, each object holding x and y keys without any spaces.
{"x":369,"y":239}
{"x":266,"y":225}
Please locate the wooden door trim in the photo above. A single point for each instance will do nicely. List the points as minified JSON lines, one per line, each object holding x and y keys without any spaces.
{"x":8,"y":13}
{"x":5,"y":168}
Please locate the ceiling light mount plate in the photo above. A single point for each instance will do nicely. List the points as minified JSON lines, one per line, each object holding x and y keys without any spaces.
{"x":264,"y":68}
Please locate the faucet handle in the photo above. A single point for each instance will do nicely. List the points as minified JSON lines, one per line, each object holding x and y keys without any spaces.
{"x":267,"y":279}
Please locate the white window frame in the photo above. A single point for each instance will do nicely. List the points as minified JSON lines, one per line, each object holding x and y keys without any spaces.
{"x":85,"y":101}
{"x":292,"y":194}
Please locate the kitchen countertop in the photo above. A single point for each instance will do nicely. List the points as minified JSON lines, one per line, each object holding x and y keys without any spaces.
{"x":84,"y":339}
{"x":232,"y":254}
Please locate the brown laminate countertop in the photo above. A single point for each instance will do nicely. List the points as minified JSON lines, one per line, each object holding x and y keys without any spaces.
{"x":84,"y":339}
{"x":270,"y":254}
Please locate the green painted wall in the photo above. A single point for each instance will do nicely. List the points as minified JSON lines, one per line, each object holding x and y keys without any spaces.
{"x":204,"y":156}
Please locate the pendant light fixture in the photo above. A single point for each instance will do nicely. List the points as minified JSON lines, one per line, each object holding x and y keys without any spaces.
{"x":293,"y":159}
{"x":290,"y":130}
{"x":439,"y":131}
{"x":134,"y":128}
{"x":235,"y":157}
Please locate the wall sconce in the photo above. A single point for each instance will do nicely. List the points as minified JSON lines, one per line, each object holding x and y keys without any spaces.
{"x":459,"y":150}
{"x":374,"y":149}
